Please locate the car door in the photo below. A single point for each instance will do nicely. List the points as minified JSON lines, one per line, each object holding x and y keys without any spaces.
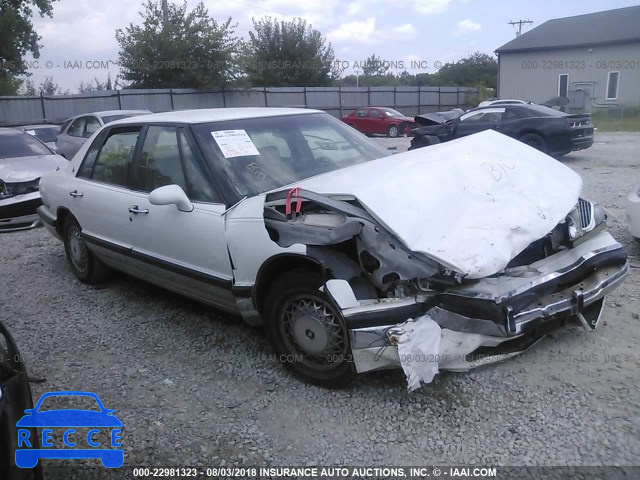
{"x":101,"y":196}
{"x":377,"y":121}
{"x":478,"y":121}
{"x":67,"y":140}
{"x":361,"y":120}
{"x":186,"y":251}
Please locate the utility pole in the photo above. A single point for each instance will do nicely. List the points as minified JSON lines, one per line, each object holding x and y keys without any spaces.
{"x":519,"y":23}
{"x":165,"y":14}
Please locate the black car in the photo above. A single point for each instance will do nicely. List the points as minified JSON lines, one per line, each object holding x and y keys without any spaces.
{"x":551,"y":131}
{"x":15,"y":397}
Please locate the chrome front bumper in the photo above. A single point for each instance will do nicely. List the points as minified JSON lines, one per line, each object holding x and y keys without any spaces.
{"x":19,"y":212}
{"x":534,"y":301}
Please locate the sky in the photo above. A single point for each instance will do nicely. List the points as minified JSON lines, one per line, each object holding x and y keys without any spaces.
{"x":78,"y":42}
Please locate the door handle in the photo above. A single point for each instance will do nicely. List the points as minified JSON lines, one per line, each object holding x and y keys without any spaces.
{"x":76,"y":193}
{"x":134,"y":209}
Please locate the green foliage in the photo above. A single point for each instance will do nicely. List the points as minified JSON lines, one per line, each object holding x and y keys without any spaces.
{"x":47,"y":87}
{"x":478,"y":69}
{"x":191,"y":51}
{"x":17,"y":38}
{"x":287,"y":53}
{"x":95,"y":85}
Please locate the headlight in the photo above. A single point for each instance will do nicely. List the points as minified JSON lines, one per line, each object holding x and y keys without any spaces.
{"x":18,"y":188}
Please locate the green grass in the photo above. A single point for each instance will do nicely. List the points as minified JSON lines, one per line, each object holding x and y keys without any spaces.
{"x":623,"y":124}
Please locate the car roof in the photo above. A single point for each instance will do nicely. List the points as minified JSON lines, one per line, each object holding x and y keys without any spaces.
{"x":106,"y":113}
{"x":531,"y":107}
{"x":214,"y":115}
{"x":11,"y":131}
{"x":40,"y":125}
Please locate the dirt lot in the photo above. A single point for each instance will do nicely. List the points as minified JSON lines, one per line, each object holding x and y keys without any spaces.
{"x":193,"y":386}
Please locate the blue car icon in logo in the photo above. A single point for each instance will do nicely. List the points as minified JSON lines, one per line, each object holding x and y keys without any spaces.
{"x":65,"y":422}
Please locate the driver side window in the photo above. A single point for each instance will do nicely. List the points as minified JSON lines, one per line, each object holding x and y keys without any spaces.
{"x":168,"y":158}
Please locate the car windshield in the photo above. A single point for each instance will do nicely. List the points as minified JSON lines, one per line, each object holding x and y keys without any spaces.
{"x":262,"y":154}
{"x":21,"y":145}
{"x":45,"y":134}
{"x":390,"y":112}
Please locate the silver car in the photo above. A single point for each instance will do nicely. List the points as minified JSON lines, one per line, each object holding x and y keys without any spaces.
{"x":76,"y":130}
{"x":444,"y":258}
{"x":23,"y":160}
{"x":46,"y":133}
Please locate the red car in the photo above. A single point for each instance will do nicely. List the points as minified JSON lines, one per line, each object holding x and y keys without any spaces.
{"x":387,"y":121}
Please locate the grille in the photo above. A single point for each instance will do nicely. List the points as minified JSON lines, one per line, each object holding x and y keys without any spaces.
{"x":585,"y":208}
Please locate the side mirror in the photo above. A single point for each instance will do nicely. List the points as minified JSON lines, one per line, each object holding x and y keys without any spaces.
{"x":171,"y":195}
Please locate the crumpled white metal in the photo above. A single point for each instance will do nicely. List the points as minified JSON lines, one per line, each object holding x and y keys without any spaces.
{"x":471,"y":204}
{"x":418,"y":342}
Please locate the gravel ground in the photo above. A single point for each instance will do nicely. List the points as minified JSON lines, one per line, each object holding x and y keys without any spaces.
{"x":194,"y":386}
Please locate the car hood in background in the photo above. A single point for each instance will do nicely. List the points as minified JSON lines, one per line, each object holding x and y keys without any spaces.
{"x":438,"y":118}
{"x":471,"y":204}
{"x":24,"y":169}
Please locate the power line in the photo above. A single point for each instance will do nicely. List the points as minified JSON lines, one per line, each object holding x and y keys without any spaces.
{"x":519,"y":23}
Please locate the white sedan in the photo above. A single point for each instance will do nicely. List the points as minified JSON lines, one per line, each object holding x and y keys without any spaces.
{"x":444,"y":258}
{"x":633,"y":213}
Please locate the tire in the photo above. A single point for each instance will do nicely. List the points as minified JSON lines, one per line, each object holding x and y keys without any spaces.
{"x":306,"y":332}
{"x":394,"y":131}
{"x":84,"y":264}
{"x":534,"y":140}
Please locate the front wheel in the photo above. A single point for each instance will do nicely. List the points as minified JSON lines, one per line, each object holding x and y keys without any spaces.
{"x":394,"y":131}
{"x":307,"y":333}
{"x":84,"y":264}
{"x":534,"y":140}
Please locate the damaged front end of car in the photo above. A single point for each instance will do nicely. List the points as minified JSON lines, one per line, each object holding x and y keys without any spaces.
{"x":19,"y":201}
{"x":378,"y":284}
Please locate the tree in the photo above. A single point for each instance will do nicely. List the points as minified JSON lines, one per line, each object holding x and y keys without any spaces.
{"x":190,"y":50}
{"x":47,"y":87}
{"x":95,"y":85}
{"x":374,"y":66}
{"x":477,"y":69}
{"x":17,"y":38}
{"x":288,"y":53}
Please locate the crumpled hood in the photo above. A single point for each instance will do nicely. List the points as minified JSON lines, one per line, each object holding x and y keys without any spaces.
{"x":471,"y":204}
{"x":438,"y":118}
{"x":25,"y":169}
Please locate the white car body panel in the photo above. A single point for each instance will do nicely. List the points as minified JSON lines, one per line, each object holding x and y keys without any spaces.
{"x":245,"y":221}
{"x":485,"y":198}
{"x":633,"y":213}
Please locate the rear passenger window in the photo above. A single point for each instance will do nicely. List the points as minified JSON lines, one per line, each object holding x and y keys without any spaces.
{"x":77,"y":127}
{"x":92,"y":126}
{"x":112,"y":163}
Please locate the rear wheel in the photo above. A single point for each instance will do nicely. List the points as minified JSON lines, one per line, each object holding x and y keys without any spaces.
{"x":534,"y":140}
{"x":84,"y":264}
{"x":306,"y":331}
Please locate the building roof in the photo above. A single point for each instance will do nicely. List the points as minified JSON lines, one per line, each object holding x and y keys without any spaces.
{"x":214,"y":115}
{"x":621,"y":25}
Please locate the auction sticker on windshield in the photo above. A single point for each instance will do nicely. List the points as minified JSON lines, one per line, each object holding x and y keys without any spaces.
{"x":234,"y":143}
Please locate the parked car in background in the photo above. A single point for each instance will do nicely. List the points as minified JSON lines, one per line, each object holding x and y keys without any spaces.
{"x":379,"y":120}
{"x":548,"y":130}
{"x":15,"y":398}
{"x":23,"y":160}
{"x":45,"y":133}
{"x":76,"y":130}
{"x":293,"y":220}
{"x":633,"y":213}
{"x":486,"y":103}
